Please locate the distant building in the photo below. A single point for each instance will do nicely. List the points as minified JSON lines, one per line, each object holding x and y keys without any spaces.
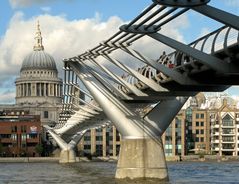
{"x":214,"y":126}
{"x":38,"y":88}
{"x":20,"y":133}
{"x":224,"y":130}
{"x":38,"y":82}
{"x":174,"y":137}
{"x":100,"y":142}
{"x":208,"y":125}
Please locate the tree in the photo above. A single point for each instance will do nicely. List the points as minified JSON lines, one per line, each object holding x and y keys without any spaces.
{"x":1,"y":149}
{"x":39,"y":149}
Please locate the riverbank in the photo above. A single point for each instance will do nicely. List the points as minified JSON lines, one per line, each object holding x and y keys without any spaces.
{"x":188,"y":158}
{"x":28,"y":159}
{"x":53,"y":159}
{"x":207,"y":158}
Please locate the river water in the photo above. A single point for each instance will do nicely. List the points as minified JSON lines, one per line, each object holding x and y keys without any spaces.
{"x":103,"y":173}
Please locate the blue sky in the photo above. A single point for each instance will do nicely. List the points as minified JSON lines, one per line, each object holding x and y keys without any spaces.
{"x":90,"y":21}
{"x":73,"y":9}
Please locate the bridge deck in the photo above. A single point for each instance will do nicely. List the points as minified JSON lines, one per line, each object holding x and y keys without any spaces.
{"x":210,"y":63}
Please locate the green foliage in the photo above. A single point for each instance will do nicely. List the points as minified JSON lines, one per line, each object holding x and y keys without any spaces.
{"x":1,"y":148}
{"x":201,"y":155}
{"x":39,"y":149}
{"x":213,"y":153}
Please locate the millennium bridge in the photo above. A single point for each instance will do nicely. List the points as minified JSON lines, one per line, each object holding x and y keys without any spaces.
{"x":142,"y":101}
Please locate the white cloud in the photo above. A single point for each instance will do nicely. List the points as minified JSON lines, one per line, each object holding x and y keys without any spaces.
{"x":7,"y":96}
{"x":204,"y":31}
{"x":25,"y":3}
{"x":232,"y":2}
{"x":46,"y":9}
{"x":153,"y":48}
{"x":63,"y":39}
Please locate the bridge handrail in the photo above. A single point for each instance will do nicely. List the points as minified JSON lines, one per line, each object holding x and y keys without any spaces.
{"x":149,"y":21}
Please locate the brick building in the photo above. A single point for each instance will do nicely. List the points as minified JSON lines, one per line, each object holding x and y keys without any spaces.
{"x":20,"y":133}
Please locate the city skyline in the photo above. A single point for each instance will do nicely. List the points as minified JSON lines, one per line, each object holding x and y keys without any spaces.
{"x":72,"y":27}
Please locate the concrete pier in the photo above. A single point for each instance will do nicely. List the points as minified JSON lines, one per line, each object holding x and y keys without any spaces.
{"x":142,"y":158}
{"x":67,"y":156}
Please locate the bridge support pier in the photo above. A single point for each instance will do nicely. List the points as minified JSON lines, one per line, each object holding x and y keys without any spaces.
{"x":142,"y":152}
{"x":142,"y":158}
{"x":67,"y":156}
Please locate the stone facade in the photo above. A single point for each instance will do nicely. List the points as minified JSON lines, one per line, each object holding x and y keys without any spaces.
{"x":38,"y":88}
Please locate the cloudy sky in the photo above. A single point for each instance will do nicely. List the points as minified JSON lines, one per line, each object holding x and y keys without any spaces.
{"x":70,"y":27}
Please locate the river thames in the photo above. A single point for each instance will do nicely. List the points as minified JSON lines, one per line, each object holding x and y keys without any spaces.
{"x":103,"y":173}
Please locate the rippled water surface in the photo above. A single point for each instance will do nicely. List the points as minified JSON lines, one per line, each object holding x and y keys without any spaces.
{"x":103,"y":173}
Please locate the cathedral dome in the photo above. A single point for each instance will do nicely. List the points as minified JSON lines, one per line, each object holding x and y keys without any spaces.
{"x":38,"y":59}
{"x":38,"y":82}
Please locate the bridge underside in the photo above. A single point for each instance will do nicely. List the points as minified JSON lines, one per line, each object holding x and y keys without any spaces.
{"x":142,"y":103}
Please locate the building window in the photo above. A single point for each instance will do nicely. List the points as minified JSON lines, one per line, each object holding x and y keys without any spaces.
{"x":168,"y":149}
{"x":87,"y":147}
{"x":202,"y":139}
{"x":14,"y":137}
{"x":197,"y":123}
{"x":178,"y":123}
{"x":189,"y":113}
{"x":98,"y":130}
{"x":99,"y":138}
{"x":228,"y":146}
{"x":24,"y":128}
{"x":202,"y":123}
{"x":32,"y":136}
{"x":14,"y":128}
{"x":197,"y":131}
{"x":227,"y":121}
{"x":110,"y":138}
{"x":228,"y":131}
{"x":202,"y":131}
{"x":45,"y":114}
{"x":24,"y":137}
{"x":202,"y":116}
{"x":227,"y":139}
{"x":87,"y":138}
{"x":98,"y":150}
{"x":197,"y":116}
